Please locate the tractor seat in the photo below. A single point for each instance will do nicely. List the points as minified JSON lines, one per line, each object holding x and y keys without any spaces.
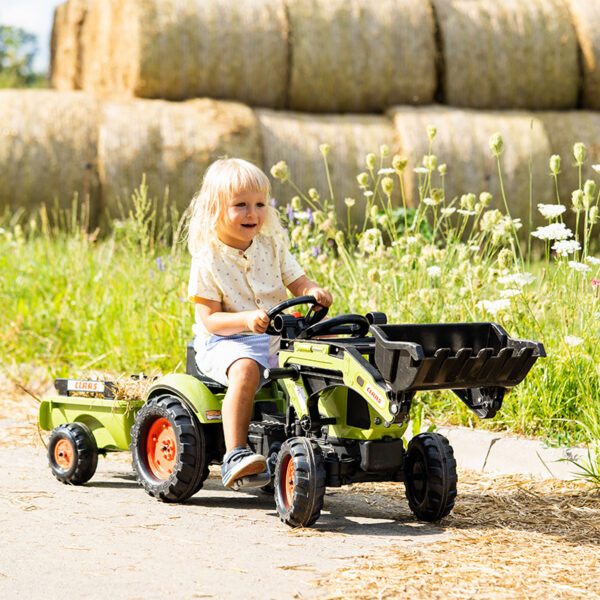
{"x":191,"y":368}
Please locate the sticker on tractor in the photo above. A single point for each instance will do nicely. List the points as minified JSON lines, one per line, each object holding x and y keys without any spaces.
{"x":78,"y":385}
{"x":371,"y":392}
{"x":301,"y":395}
{"x":213,"y":415}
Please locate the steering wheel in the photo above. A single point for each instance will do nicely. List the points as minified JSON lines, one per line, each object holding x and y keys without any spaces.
{"x":355,"y":325}
{"x":312,"y":316}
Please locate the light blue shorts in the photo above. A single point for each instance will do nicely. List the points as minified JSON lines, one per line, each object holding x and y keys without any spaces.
{"x":215,"y":354}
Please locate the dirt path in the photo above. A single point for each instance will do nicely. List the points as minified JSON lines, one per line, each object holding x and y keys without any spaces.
{"x":109,"y":539}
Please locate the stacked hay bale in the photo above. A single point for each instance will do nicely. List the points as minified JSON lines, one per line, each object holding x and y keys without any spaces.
{"x":48,"y":150}
{"x":171,"y":143}
{"x":360,"y":55}
{"x":295,"y":138}
{"x":179,"y":49}
{"x":586,"y":18}
{"x":509,"y":54}
{"x":65,"y":45}
{"x":462,"y":142}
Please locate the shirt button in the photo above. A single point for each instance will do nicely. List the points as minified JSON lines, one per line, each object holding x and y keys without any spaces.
{"x":258,"y":301}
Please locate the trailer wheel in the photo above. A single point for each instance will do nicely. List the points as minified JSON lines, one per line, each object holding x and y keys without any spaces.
{"x":168,"y":450}
{"x":299,"y":482}
{"x":72,"y":453}
{"x":430,"y":476}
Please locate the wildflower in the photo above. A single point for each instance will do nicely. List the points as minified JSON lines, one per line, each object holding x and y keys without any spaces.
{"x":289,"y":211}
{"x":485,"y":198}
{"x":316,"y":250}
{"x":595,"y":282}
{"x":420,"y":170}
{"x":370,"y":240}
{"x":494,"y":306}
{"x":399,"y":163}
{"x":510,"y":293}
{"x":281,"y":171}
{"x":430,"y":162}
{"x":313,"y":194}
{"x":273,"y":202}
{"x":339,"y":238}
{"x":384,"y":150}
{"x":434,"y":271}
{"x":589,"y":187}
{"x":349,"y":202}
{"x":593,"y":216}
{"x":520,"y":279}
{"x":324,"y":149}
{"x":370,"y":160}
{"x":596,"y":168}
{"x":160,"y":263}
{"x":579,"y":152}
{"x":579,"y":267}
{"x":555,"y":164}
{"x":505,"y":258}
{"x":388,"y":171}
{"x":593,"y":260}
{"x":490,"y":219}
{"x":431,"y":131}
{"x":577,"y":200}
{"x":468,"y":213}
{"x":322,"y":259}
{"x":573,"y":340}
{"x":309,"y":216}
{"x":373,"y":275}
{"x":555,"y":231}
{"x":387,"y":184}
{"x":437,"y":194}
{"x":443,"y":169}
{"x":374,"y":212}
{"x":474,"y":248}
{"x":368,"y":193}
{"x":551,"y":211}
{"x":467,"y":201}
{"x":363,"y":179}
{"x":447,"y":211}
{"x":296,"y":203}
{"x":566,"y":247}
{"x":496,"y":144}
{"x":429,"y":201}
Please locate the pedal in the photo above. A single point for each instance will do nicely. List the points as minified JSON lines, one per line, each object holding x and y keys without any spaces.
{"x":252,"y":481}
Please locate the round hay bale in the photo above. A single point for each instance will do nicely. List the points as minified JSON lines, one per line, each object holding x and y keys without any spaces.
{"x":171,"y":143}
{"x":360,"y":55}
{"x":462,"y":143}
{"x":509,"y":54}
{"x":586,"y":18}
{"x":179,"y":49}
{"x":65,"y":45}
{"x":295,"y":138}
{"x":48,"y":150}
{"x":564,"y":129}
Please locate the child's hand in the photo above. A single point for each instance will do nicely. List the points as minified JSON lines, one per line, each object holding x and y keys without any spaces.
{"x":322,"y":296}
{"x":257,"y":321}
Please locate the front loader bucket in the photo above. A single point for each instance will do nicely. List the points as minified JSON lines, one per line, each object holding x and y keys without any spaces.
{"x":452,"y":356}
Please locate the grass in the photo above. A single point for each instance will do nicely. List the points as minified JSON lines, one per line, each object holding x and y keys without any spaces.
{"x":73,"y":302}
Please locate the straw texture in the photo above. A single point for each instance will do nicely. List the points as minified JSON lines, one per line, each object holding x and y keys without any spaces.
{"x":48,"y":144}
{"x":509,"y":54}
{"x":360,"y":55}
{"x":178,"y":49}
{"x":65,"y":45}
{"x":295,"y":138}
{"x":462,"y":142}
{"x":586,"y":18}
{"x":172,"y":143}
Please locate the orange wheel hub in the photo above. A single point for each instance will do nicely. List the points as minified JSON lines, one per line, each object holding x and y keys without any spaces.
{"x":63,"y":454}
{"x":287,"y":481}
{"x":161,"y":448}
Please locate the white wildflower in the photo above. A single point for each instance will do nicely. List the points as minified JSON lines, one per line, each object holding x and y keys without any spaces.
{"x":370,"y":240}
{"x":411,"y":239}
{"x":368,"y":193}
{"x":573,"y":340}
{"x":386,"y":171}
{"x":555,"y":231}
{"x":551,"y":211}
{"x":448,"y":211}
{"x":474,"y":248}
{"x":429,"y":201}
{"x":593,"y":260}
{"x":566,"y":247}
{"x":596,"y":168}
{"x":520,"y":279}
{"x":468,"y":213}
{"x":579,"y":267}
{"x":421,"y":170}
{"x":510,"y":293}
{"x":494,"y":306}
{"x":434,"y":271}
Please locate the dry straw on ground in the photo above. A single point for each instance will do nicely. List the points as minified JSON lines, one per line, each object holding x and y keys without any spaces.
{"x":48,"y":149}
{"x":65,"y":45}
{"x":462,"y":142}
{"x":508,"y":537}
{"x":178,"y":49}
{"x":360,"y":55}
{"x":509,"y":54}
{"x":564,"y":129}
{"x":296,"y":137}
{"x":586,"y":18}
{"x":172,"y":143}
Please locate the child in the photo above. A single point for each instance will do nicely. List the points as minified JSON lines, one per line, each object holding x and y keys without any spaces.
{"x":240,"y":269}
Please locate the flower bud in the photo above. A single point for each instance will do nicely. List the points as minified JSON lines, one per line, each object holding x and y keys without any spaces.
{"x":339,"y":238}
{"x":593,"y":214}
{"x":443,"y":169}
{"x":349,"y":202}
{"x":399,"y":163}
{"x":431,"y":131}
{"x":280,"y":170}
{"x":363,"y":179}
{"x":296,"y":203}
{"x":384,"y":150}
{"x":577,"y":200}
{"x":430,"y":162}
{"x":505,"y":258}
{"x":555,"y":164}
{"x":370,"y":160}
{"x":373,"y":275}
{"x":496,"y":144}
{"x":589,"y":188}
{"x":579,"y":152}
{"x":314,"y":195}
{"x":387,"y":185}
{"x":437,"y":195}
{"x":467,"y":201}
{"x":374,"y":212}
{"x":324,"y":149}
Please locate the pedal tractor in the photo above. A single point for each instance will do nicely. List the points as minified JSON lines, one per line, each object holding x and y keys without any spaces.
{"x":333,"y":413}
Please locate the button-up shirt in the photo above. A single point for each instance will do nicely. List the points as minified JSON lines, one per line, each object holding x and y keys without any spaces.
{"x":251,"y":279}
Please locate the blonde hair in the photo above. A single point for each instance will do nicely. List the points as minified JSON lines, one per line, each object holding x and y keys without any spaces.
{"x":224,"y":179}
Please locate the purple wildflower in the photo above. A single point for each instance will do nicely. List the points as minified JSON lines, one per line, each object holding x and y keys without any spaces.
{"x":310,"y":216}
{"x":290,"y":212}
{"x":160,"y":263}
{"x":316,"y":250}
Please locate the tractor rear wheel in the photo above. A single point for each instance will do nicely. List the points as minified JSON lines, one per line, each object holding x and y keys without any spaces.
{"x":72,"y":453}
{"x":168,"y":449}
{"x":430,"y":476}
{"x":299,"y":482}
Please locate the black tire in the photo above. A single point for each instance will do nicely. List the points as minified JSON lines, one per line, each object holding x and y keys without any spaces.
{"x":183,"y":454}
{"x":72,"y":453}
{"x":430,"y":476}
{"x":299,"y":482}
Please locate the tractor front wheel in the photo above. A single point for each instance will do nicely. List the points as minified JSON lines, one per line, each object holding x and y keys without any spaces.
{"x":72,"y":453}
{"x":299,"y":482}
{"x":168,"y":450}
{"x":430,"y":476}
